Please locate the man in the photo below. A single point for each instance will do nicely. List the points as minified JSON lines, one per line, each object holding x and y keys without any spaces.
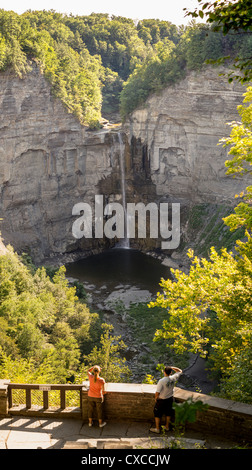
{"x":164,"y":397}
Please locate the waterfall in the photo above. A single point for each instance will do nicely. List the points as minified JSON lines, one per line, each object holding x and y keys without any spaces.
{"x":125,"y":242}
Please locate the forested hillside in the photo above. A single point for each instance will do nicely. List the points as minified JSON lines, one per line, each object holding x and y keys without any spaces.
{"x":98,"y":64}
{"x":47,"y":332}
{"x":45,"y":328}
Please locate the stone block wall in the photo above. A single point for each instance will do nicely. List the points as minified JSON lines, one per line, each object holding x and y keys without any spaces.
{"x":135,"y":402}
{"x":223,"y":417}
{"x":3,"y":398}
{"x":131,"y":402}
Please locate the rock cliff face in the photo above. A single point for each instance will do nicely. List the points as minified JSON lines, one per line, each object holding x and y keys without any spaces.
{"x":49,"y":162}
{"x":179,"y":130}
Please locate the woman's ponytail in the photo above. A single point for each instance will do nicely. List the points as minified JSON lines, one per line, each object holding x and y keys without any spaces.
{"x":96,"y":371}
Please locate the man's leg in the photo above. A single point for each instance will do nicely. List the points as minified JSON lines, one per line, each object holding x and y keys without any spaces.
{"x":167,"y":423}
{"x":157,"y":414}
{"x":157,"y":422}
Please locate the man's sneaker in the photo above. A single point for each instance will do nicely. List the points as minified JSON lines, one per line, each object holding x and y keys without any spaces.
{"x":165,"y":429}
{"x":101,"y":425}
{"x":157,"y":431}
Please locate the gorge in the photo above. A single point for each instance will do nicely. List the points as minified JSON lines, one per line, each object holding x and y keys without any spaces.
{"x":165,"y":152}
{"x":49,"y":161}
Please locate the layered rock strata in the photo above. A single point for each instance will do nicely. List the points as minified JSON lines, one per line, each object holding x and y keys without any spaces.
{"x":49,"y":161}
{"x":179,"y":129}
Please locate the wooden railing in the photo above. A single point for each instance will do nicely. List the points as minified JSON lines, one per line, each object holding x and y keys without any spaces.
{"x":20,"y":395}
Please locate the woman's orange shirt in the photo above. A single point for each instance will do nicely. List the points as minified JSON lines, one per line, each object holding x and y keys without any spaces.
{"x":95,"y":388}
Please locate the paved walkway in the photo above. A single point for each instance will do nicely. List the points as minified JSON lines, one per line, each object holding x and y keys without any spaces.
{"x":35,"y":433}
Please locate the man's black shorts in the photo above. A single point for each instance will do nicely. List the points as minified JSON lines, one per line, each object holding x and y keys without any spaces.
{"x":163,"y":407}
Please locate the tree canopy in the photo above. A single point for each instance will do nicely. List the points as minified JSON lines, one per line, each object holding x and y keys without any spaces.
{"x":230,"y":17}
{"x":43,"y":323}
{"x":98,"y":63}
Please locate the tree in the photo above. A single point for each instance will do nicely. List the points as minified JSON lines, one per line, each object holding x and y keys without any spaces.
{"x":109,"y":357}
{"x":43,"y":38}
{"x":43,"y":322}
{"x":227,"y":15}
{"x":230,"y":16}
{"x":209,"y":311}
{"x":240,"y":143}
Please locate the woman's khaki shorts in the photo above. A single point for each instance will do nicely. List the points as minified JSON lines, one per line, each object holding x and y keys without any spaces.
{"x":95,"y":404}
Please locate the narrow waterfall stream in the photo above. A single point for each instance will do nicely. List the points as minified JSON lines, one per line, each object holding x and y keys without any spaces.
{"x":124,"y":243}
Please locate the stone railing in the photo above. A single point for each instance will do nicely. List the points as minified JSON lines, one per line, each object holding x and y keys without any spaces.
{"x":134,"y":402}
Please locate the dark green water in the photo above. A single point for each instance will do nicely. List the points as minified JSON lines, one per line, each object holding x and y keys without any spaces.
{"x":120,"y":266}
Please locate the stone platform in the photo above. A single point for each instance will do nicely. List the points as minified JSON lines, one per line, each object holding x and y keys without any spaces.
{"x":35,"y":433}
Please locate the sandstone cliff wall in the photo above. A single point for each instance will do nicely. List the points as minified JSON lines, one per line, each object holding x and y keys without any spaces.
{"x":179,"y":130}
{"x":49,"y":162}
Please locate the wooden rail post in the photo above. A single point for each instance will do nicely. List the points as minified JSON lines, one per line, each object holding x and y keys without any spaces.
{"x":45,"y":400}
{"x":28,"y":398}
{"x":62,"y":398}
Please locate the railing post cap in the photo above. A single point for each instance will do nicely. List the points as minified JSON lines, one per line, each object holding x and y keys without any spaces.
{"x":85,"y":385}
{"x":4,"y":384}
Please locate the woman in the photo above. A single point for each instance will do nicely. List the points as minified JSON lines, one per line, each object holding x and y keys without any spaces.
{"x":95,"y":395}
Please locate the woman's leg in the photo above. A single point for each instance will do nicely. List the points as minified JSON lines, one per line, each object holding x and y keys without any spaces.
{"x":90,"y":411}
{"x":99,"y":408}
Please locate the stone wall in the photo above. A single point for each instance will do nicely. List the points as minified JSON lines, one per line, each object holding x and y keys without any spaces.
{"x":132,"y":402}
{"x":4,"y":398}
{"x":135,"y":402}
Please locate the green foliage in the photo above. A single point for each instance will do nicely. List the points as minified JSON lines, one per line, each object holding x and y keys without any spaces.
{"x":231,"y":17}
{"x":43,"y":323}
{"x":240,"y":148}
{"x":143,"y":322}
{"x":210,"y":309}
{"x":41,"y":37}
{"x":92,"y":60}
{"x":223,"y":285}
{"x":186,"y":412}
{"x":225,"y":14}
{"x":149,"y":379}
{"x":194,"y":47}
{"x":109,"y":357}
{"x":112,"y":87}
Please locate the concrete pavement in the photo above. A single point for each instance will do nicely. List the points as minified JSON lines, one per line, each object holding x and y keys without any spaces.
{"x":35,"y":433}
